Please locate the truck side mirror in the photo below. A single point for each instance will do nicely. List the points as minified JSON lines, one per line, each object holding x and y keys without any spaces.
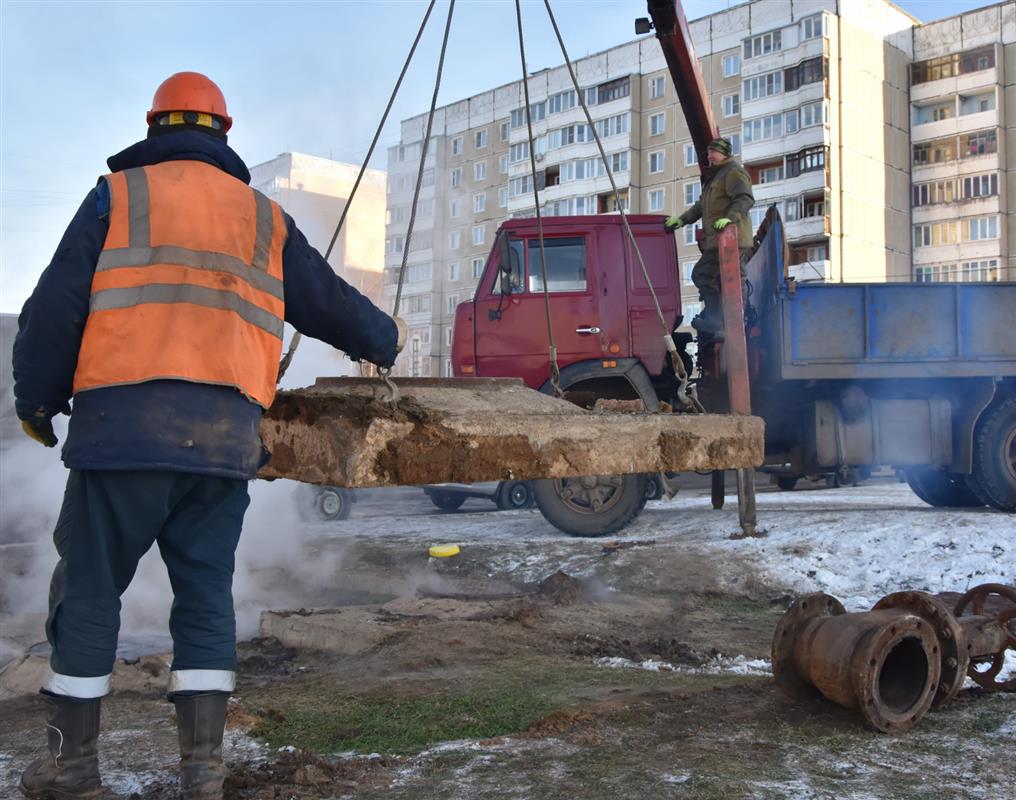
{"x":506,"y":281}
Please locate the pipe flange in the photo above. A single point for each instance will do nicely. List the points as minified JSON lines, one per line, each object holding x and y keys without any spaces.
{"x":984,"y":671}
{"x":888,"y":705}
{"x":804,"y":609}
{"x":952,"y":652}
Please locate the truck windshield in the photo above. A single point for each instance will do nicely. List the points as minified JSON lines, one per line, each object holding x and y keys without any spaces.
{"x":566,"y":265}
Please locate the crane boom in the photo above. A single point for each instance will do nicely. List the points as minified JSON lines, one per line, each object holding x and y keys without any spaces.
{"x":671,"y":28}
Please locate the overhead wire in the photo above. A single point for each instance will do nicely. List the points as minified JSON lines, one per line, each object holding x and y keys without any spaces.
{"x":297,"y":336}
{"x":684,"y":395}
{"x":555,"y":370}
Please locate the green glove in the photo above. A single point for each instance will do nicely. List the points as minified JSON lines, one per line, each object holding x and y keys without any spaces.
{"x":40,"y":429}
{"x":673,"y":223}
{"x":722,"y":223}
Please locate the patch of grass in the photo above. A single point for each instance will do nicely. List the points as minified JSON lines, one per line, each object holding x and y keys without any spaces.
{"x":400,"y":724}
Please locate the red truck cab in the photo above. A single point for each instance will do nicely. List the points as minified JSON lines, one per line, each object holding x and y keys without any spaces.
{"x":606,"y":328}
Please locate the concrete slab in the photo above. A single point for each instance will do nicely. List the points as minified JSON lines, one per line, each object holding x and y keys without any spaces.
{"x":341,"y":432}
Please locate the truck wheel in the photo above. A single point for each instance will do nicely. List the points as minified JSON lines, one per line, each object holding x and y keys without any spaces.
{"x":654,"y":489}
{"x":514,"y":495}
{"x":446,"y":501}
{"x":332,"y":503}
{"x":994,"y":472}
{"x":595,"y":505}
{"x":941,"y":489}
{"x":787,"y":482}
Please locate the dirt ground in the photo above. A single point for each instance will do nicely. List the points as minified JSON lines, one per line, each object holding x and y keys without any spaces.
{"x":473,"y":679}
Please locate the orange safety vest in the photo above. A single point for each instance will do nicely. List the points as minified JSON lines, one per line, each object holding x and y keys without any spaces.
{"x":188,"y":285}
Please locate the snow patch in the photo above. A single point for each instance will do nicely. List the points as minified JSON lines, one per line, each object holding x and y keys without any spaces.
{"x":737,"y":665}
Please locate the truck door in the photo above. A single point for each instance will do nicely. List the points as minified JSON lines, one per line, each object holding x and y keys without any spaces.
{"x":660,"y":256}
{"x":511,"y":328}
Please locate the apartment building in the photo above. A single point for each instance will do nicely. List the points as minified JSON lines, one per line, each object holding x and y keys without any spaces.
{"x":314,"y":191}
{"x":815,"y":96}
{"x":962,"y":223}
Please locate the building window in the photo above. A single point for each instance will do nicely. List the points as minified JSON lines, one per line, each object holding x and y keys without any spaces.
{"x":656,"y":88}
{"x":503,"y":164}
{"x":731,"y":65}
{"x":612,"y":126}
{"x":453,"y":301}
{"x":480,"y":171}
{"x":690,"y":157}
{"x":735,"y":143}
{"x":690,"y":231}
{"x":731,"y":105}
{"x":518,"y":152}
{"x":936,"y":192}
{"x":771,"y":174}
{"x":505,"y":129}
{"x":762,"y":128}
{"x":692,"y":192}
{"x":657,"y":124}
{"x":656,"y":161}
{"x":980,"y":143}
{"x":792,"y":209}
{"x":476,"y":268}
{"x":453,"y":208}
{"x":812,"y":114}
{"x":814,"y":207}
{"x":810,"y":160}
{"x":453,"y":240}
{"x":480,"y":139}
{"x":562,"y":101}
{"x":980,"y":228}
{"x":951,"y":65}
{"x":520,"y":185}
{"x":686,"y":268}
{"x":984,"y":270}
{"x":810,"y":71}
{"x":455,"y":177}
{"x":418,"y":272}
{"x":453,"y":271}
{"x":980,"y":186}
{"x":502,"y":197}
{"x":478,"y":235}
{"x":418,"y":304}
{"x":934,"y":234}
{"x":811,"y":27}
{"x":763,"y":45}
{"x":457,"y":146}
{"x":479,"y":202}
{"x":817,"y":252}
{"x":760,"y":86}
{"x":613,"y":90}
{"x":657,"y":200}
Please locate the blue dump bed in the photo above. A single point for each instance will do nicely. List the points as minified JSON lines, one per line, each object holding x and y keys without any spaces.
{"x":816,"y":331}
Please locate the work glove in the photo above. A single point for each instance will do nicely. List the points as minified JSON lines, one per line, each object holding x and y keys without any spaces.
{"x":40,"y":428}
{"x":400,"y":325}
{"x":673,"y":223}
{"x":722,"y":223}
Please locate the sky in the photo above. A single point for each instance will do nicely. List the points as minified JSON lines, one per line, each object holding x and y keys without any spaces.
{"x":76,"y":79}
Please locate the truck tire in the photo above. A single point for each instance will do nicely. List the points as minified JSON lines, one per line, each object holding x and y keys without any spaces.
{"x":332,"y":503}
{"x":446,"y":501}
{"x":942,"y":489}
{"x":994,"y":473}
{"x":787,"y":482}
{"x":513,"y":495}
{"x":591,"y":506}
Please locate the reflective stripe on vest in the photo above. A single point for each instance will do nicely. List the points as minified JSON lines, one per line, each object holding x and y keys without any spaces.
{"x":188,"y":285}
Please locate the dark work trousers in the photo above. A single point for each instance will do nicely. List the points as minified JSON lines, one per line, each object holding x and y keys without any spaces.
{"x":706,"y":277}
{"x":108,"y":521}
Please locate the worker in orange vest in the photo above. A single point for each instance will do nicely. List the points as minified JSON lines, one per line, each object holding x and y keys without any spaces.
{"x":162,"y":314}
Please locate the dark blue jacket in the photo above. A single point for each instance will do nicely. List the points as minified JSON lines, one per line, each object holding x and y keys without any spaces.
{"x":170,"y":425}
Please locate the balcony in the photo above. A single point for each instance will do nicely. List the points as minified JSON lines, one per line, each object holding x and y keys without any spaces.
{"x":810,"y":271}
{"x":808,"y":182}
{"x":784,"y":58}
{"x":807,"y":229}
{"x":958,"y":84}
{"x":809,"y":93}
{"x":962,"y":251}
{"x":787,"y":144}
{"x":974,"y":207}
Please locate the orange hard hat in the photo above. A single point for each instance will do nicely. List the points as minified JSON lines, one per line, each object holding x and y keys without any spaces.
{"x":190,"y":91}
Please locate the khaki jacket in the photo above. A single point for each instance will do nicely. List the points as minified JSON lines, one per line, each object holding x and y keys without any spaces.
{"x":726,"y":192}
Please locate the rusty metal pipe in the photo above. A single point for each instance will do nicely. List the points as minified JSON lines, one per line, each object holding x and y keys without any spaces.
{"x":906,"y":655}
{"x":883,"y":663}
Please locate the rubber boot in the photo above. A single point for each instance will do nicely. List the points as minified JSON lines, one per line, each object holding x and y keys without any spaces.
{"x":710,"y":322}
{"x":200,"y":720}
{"x":71,"y":769}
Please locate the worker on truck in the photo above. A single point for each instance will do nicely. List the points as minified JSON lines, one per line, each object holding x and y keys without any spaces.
{"x":726,"y":199}
{"x":162,"y":313}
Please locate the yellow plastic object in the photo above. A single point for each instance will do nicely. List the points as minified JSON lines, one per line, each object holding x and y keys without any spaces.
{"x":443,"y":550}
